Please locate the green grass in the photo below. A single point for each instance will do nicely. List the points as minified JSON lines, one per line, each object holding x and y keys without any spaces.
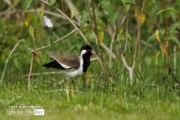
{"x":99,"y":100}
{"x":150,"y":97}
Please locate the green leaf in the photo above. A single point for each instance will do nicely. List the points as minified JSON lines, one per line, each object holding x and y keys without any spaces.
{"x":74,"y":47}
{"x":40,"y":19}
{"x":152,"y":37}
{"x":166,"y":10}
{"x":52,"y":2}
{"x":105,"y":4}
{"x":154,"y":10}
{"x":126,"y":2}
{"x":105,"y":19}
{"x":16,"y":63}
{"x":173,"y":27}
{"x":174,"y":38}
{"x":84,"y":17}
{"x":26,"y":4}
{"x":36,"y":20}
{"x":16,"y":54}
{"x":123,"y":2}
{"x":113,"y":14}
{"x":100,"y":35}
{"x":31,"y":31}
{"x":114,"y":17}
{"x":77,"y":45}
{"x":174,"y":16}
{"x":129,"y":37}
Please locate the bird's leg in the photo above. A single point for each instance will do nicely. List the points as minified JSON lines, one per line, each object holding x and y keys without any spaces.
{"x":74,"y":84}
{"x":67,"y":87}
{"x":67,"y":81}
{"x":67,"y":91}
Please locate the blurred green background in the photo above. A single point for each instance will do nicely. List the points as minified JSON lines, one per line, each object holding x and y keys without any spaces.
{"x":152,"y":25}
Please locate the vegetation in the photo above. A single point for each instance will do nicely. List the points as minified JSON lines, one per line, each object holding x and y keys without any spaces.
{"x":134,"y":74}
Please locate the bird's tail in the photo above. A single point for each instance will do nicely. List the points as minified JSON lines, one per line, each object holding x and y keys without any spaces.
{"x":53,"y":64}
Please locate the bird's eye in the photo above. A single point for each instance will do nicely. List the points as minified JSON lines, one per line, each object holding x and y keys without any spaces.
{"x":89,"y":50}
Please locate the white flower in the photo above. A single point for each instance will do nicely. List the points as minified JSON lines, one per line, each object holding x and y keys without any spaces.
{"x":47,"y":22}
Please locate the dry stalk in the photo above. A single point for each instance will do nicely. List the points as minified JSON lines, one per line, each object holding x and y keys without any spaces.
{"x":29,"y":75}
{"x":122,"y":52}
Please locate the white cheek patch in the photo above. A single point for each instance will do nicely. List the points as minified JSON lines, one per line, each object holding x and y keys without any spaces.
{"x":83,"y":52}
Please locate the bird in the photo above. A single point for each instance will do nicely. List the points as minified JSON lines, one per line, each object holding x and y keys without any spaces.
{"x":69,"y":64}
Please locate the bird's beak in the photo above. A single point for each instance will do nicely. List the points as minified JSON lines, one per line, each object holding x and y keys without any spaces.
{"x":93,"y":52}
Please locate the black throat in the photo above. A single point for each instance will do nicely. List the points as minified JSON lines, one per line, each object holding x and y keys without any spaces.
{"x":86,"y":62}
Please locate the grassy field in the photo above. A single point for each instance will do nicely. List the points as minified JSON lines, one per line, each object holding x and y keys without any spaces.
{"x":98,"y":100}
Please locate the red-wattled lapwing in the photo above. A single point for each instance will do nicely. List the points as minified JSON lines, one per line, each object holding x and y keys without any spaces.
{"x":71,"y":65}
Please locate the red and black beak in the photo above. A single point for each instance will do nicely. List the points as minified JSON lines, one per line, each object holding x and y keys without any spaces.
{"x":93,"y":52}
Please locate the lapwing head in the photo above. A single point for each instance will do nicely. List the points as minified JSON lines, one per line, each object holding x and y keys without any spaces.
{"x":86,"y":50}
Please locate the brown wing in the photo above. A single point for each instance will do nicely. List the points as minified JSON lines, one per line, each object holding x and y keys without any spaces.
{"x":71,"y":61}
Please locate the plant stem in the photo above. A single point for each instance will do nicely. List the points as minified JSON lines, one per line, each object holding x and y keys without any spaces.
{"x":8,"y":60}
{"x":96,"y":30}
{"x":29,"y":76}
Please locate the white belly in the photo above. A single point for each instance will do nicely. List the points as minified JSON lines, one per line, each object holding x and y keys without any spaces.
{"x":74,"y":73}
